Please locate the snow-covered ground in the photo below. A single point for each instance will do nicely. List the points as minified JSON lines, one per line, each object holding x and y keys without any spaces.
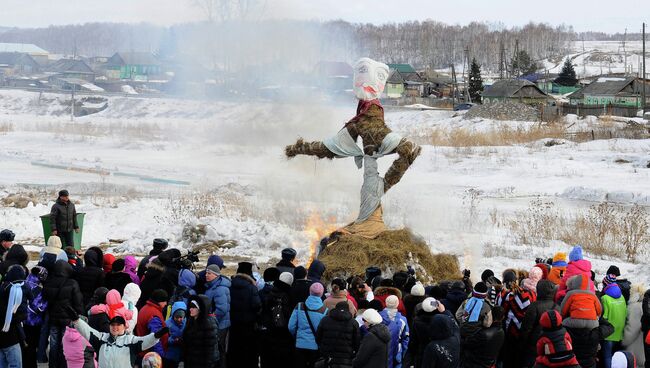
{"x":601,"y":57}
{"x":144,"y":167}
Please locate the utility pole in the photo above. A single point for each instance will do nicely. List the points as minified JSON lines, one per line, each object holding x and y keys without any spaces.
{"x":454,"y":86}
{"x":72,"y":102}
{"x":643,"y":78}
{"x":466,"y":78}
{"x":516,"y":71}
{"x":502,"y":60}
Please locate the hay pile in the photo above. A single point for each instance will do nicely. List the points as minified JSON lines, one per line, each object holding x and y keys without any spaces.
{"x":392,"y":251}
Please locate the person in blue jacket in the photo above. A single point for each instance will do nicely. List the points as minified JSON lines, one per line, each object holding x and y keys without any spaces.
{"x":218,"y":291}
{"x":176,"y":324}
{"x":303,"y":324}
{"x":399,"y":332}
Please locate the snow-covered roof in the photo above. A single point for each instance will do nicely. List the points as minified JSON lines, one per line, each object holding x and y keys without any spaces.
{"x":28,"y":48}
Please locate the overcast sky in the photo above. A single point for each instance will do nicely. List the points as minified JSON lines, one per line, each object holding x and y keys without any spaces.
{"x":596,"y":15}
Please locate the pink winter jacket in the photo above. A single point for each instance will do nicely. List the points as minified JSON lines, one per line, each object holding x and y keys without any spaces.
{"x":77,"y":350}
{"x":581,"y":267}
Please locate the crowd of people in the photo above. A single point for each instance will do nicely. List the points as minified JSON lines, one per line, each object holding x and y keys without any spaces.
{"x":99,"y":311}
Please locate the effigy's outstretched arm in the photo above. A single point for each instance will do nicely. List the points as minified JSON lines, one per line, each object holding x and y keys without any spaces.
{"x":301,"y":147}
{"x":408,"y":152}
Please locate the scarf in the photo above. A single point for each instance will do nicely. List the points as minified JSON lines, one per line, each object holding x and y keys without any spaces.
{"x":474,"y":306}
{"x":14,"y":301}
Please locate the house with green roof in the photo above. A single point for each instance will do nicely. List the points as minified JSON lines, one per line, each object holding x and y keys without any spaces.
{"x":402,"y":68}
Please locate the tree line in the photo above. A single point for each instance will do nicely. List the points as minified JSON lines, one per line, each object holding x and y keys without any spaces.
{"x":232,"y":44}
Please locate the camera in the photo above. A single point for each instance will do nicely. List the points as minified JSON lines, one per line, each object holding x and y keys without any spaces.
{"x":187,"y":261}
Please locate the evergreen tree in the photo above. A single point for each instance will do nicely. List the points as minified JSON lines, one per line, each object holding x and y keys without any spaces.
{"x":523,"y":64}
{"x":475,"y":82}
{"x":567,"y":76}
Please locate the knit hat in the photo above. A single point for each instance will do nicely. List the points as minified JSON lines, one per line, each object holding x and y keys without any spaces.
{"x":371,"y":273}
{"x":316,"y":289}
{"x":551,"y":320}
{"x":64,"y":193}
{"x":299,"y":273}
{"x":245,"y":268}
{"x":179,"y":313}
{"x":288,"y":254}
{"x":195,"y":304}
{"x":216,"y":260}
{"x":287,"y":278}
{"x":559,"y":260}
{"x":613,"y":270}
{"x":40,"y":272}
{"x":609,"y":279}
{"x":109,"y":259}
{"x":271,"y":274}
{"x":575,"y":254}
{"x":480,"y":288}
{"x":372,"y":317}
{"x":417,"y":290}
{"x":213,"y":269}
{"x":486,"y":275}
{"x":392,"y":302}
{"x":159,"y":296}
{"x":429,"y":305}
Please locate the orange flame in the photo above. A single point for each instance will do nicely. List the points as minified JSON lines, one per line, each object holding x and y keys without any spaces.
{"x":316,"y":228}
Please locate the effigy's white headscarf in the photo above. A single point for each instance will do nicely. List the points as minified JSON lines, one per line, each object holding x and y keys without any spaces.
{"x":369,"y":79}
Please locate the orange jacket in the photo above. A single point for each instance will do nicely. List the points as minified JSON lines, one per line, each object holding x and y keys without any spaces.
{"x":580,"y":302}
{"x":555,"y":276}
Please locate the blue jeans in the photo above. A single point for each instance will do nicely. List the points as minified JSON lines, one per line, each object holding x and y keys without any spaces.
{"x":608,"y":351}
{"x":11,"y":357}
{"x":57,"y":360}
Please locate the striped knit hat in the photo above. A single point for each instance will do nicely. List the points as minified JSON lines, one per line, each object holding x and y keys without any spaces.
{"x":480,"y":290}
{"x":609,"y":279}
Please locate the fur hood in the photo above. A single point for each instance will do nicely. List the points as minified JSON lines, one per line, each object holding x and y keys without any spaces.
{"x":388,"y":290}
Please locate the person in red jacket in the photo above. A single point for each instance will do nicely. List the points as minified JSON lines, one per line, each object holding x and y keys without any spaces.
{"x":554,"y":348}
{"x":151,"y":320}
{"x":387,"y":288}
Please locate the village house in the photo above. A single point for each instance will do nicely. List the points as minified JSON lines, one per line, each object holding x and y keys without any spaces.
{"x":518,"y":90}
{"x":137,"y":66}
{"x":17,"y":63}
{"x":38,"y":54}
{"x":612,"y":90}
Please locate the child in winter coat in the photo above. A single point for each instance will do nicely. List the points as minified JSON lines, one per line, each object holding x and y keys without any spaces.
{"x":615,"y":312}
{"x":515,"y":306}
{"x":558,"y":269}
{"x":176,"y":323}
{"x":130,"y":298}
{"x":77,"y":350}
{"x":476,"y":309}
{"x":580,"y":308}
{"x":577,"y":266}
{"x":35,"y":315}
{"x":554,"y":348}
{"x":399,"y":332}
{"x":131,"y":267}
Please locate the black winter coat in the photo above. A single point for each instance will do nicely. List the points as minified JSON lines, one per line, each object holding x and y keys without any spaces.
{"x":299,"y":292}
{"x":338,"y":338}
{"x":61,"y":293}
{"x":422,"y":333}
{"x":444,"y":349}
{"x":586,"y":342}
{"x":410,"y":301}
{"x":63,"y":216}
{"x":531,"y":330}
{"x":245,"y":303}
{"x":200,"y":337}
{"x":481,"y":347}
{"x":91,"y":276}
{"x":117,"y":281}
{"x":373,"y":350}
{"x":154,"y":279}
{"x":285,"y":266}
{"x":16,"y":255}
{"x":454,"y":299}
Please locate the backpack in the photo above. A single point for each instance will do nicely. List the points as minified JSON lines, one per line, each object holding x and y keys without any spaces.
{"x":278,"y":318}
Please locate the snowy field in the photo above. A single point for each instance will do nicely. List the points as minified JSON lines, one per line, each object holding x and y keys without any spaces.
{"x":601,"y":57}
{"x":146,"y":168}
